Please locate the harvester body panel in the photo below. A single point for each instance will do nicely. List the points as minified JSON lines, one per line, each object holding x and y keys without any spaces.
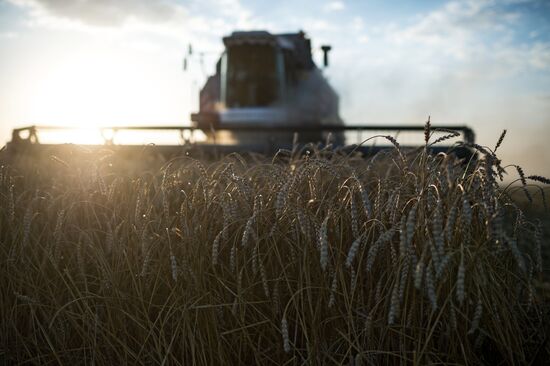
{"x":265,"y":79}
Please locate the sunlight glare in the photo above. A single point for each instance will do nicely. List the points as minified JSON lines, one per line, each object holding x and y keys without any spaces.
{"x":91,"y":90}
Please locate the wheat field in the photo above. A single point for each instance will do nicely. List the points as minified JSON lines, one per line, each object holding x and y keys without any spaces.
{"x":306,"y":257}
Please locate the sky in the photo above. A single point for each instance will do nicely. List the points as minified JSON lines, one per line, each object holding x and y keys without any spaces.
{"x":482,"y":63}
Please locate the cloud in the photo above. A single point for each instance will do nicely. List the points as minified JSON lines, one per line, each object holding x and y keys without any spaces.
{"x":539,"y":56}
{"x":458,"y":27}
{"x":198,"y":21}
{"x":105,"y":13}
{"x":8,"y":35}
{"x":460,"y":43}
{"x":357,"y":24}
{"x":479,"y":33}
{"x":332,"y":6}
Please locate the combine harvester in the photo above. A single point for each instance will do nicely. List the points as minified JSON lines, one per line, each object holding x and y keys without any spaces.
{"x":267,"y":94}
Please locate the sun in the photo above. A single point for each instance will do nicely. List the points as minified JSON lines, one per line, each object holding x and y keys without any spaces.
{"x":86,"y":91}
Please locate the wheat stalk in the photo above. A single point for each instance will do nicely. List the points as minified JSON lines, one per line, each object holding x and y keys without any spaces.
{"x":323,"y":243}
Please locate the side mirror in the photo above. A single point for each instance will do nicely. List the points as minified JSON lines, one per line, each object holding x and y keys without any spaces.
{"x":326,"y":49}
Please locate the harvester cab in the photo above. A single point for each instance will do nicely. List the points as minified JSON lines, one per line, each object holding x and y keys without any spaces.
{"x":265,"y":79}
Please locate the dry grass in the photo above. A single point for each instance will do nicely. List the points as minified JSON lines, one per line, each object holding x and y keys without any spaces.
{"x":318,"y":258}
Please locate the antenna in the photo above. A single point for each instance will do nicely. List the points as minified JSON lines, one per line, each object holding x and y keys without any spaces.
{"x":187,"y":57}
